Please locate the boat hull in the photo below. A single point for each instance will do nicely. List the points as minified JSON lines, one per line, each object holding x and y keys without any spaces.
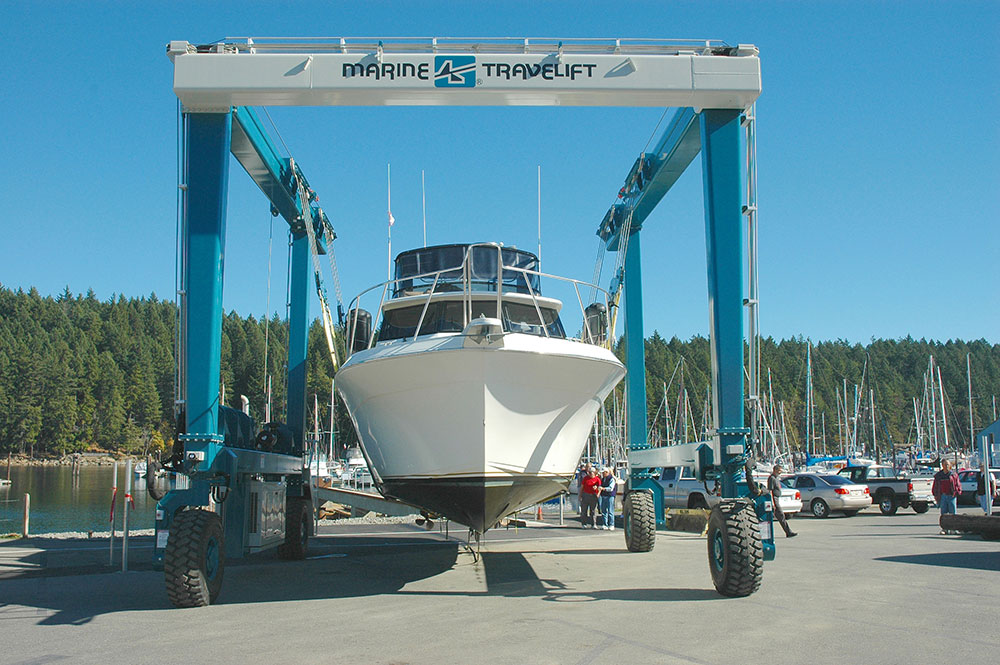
{"x":475,"y":433}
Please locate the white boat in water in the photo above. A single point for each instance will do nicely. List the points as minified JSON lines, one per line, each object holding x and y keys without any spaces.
{"x":470,"y":401}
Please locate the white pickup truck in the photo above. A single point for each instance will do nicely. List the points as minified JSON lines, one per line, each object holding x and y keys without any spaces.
{"x":682,"y":490}
{"x":890,"y":490}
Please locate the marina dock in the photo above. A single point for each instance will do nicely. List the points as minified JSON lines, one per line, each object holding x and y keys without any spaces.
{"x":862,"y":589}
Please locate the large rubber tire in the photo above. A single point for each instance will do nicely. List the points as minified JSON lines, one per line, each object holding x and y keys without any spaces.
{"x":920,"y":507}
{"x":887,"y":504}
{"x":195,"y":558}
{"x":735,"y":551}
{"x":639,"y":518}
{"x":819,"y":508}
{"x":298,"y":526}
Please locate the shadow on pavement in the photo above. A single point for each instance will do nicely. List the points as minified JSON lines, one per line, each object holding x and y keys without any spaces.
{"x":357,"y":566}
{"x":970,"y":560}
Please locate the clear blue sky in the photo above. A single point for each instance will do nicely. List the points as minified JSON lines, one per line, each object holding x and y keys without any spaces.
{"x":878,"y":142}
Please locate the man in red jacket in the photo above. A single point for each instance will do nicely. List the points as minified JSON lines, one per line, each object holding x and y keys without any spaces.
{"x":946,"y":489}
{"x":590,"y":488}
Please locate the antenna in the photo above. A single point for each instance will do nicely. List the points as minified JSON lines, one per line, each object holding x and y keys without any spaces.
{"x":388,"y":185}
{"x":423,"y":203}
{"x":539,"y":215}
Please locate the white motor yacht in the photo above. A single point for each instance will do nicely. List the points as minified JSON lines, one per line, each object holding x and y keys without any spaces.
{"x":470,"y":401}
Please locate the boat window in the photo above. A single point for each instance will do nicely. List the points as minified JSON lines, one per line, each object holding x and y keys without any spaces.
{"x":440,"y":317}
{"x":521,"y":318}
{"x":482,"y":270}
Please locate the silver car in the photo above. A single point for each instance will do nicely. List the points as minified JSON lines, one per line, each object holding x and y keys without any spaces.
{"x":823,"y":494}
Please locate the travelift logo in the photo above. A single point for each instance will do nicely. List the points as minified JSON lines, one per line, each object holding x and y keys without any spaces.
{"x":455,"y":71}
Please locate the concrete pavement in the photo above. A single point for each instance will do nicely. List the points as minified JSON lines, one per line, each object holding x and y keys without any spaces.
{"x":867,"y":589}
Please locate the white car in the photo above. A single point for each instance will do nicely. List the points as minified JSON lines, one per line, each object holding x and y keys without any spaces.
{"x":790,"y":500}
{"x":970,"y":479}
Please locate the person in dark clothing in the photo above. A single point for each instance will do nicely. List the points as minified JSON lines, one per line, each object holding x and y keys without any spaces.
{"x":774,"y":487}
{"x":984,"y":494}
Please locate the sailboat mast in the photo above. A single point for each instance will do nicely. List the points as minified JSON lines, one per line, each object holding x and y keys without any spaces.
{"x":871,"y":403}
{"x":968,"y":374}
{"x":808,"y":400}
{"x":944,"y":415}
{"x":933,"y":408}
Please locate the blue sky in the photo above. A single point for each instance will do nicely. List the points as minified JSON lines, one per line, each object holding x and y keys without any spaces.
{"x":878,"y":157}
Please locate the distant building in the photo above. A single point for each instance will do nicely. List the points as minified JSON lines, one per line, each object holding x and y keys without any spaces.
{"x":990,"y":435}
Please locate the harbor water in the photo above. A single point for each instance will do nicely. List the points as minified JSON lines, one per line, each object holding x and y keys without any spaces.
{"x":62,"y":501}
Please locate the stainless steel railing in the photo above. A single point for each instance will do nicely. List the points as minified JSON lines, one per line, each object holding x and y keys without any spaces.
{"x":469,"y":280}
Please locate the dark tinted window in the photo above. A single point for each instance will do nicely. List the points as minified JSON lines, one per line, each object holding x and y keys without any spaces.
{"x":835,"y":480}
{"x":524,"y":319}
{"x":447,"y":316}
{"x":805,"y":482}
{"x":440,"y":317}
{"x":483,"y":269}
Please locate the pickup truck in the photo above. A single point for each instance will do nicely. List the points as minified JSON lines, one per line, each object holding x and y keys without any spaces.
{"x":682,"y":490}
{"x":890,"y":490}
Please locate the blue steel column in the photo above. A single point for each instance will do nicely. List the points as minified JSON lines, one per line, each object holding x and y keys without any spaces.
{"x":721,"y":160}
{"x":298,"y":337}
{"x":635,"y":346}
{"x":207,"y":148}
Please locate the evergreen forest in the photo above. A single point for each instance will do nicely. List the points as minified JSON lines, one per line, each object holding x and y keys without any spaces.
{"x":81,"y":374}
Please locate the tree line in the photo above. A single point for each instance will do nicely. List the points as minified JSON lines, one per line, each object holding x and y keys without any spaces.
{"x":78,"y":373}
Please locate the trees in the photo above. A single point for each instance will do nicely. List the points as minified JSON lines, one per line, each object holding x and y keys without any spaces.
{"x":78,"y":373}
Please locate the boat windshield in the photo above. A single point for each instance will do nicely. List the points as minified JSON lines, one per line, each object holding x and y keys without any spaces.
{"x":446,"y":316}
{"x":482,"y":267}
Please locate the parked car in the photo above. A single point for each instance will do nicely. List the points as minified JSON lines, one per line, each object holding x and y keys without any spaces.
{"x":823,"y":494}
{"x":790,"y":499}
{"x":682,"y":490}
{"x":970,"y":479}
{"x":890,"y":490}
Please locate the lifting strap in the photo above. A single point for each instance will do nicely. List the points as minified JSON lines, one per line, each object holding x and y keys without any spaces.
{"x":307,"y":218}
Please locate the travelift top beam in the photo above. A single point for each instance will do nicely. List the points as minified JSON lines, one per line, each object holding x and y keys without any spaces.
{"x":416,"y":72}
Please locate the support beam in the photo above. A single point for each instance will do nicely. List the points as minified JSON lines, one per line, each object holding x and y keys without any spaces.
{"x":298,"y":337}
{"x":207,"y":148}
{"x":653,"y":174}
{"x":721,"y":160}
{"x":635,"y":346}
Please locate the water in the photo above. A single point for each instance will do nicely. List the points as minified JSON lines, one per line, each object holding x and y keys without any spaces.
{"x":61,"y":502}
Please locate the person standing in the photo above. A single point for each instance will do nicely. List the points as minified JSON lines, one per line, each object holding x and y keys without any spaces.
{"x":946,"y":489}
{"x":774,"y":487}
{"x":590,"y":488}
{"x":609,"y":488}
{"x":986,"y":489}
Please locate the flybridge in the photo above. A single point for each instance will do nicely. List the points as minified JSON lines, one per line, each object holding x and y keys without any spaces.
{"x":500,"y":72}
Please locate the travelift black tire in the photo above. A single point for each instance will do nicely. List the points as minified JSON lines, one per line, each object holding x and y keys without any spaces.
{"x":194,"y":559}
{"x":735,"y":552}
{"x":298,"y":525}
{"x":639,"y":518}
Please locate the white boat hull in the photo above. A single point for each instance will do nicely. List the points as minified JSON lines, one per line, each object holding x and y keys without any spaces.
{"x":476,"y":432}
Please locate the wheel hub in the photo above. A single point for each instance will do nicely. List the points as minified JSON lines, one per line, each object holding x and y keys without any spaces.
{"x":718,"y":549}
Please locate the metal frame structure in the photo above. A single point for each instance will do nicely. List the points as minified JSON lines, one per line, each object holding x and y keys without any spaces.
{"x":713,"y":83}
{"x":217,"y":473}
